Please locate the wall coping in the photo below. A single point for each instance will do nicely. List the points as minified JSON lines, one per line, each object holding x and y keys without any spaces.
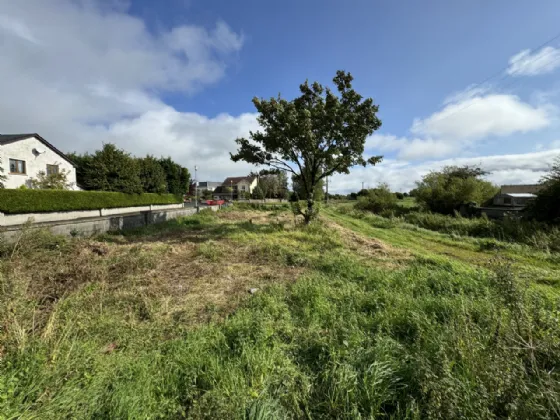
{"x":65,"y":216}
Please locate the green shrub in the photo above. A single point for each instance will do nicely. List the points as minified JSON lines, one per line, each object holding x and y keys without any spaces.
{"x":445,"y":191}
{"x":377,"y":200}
{"x":40,"y":201}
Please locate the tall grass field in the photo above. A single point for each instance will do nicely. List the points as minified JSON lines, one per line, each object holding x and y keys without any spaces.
{"x":247,"y":314}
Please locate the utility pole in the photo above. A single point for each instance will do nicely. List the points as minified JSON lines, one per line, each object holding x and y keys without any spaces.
{"x":195,"y":188}
{"x":362,"y":185}
{"x":231,"y":188}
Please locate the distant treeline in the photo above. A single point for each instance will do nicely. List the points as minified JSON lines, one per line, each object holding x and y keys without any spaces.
{"x":113,"y":169}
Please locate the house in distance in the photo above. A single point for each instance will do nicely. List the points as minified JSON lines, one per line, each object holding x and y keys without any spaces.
{"x":23,"y":156}
{"x":232,"y":187}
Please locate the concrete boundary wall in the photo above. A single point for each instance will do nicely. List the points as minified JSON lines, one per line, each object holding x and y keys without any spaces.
{"x":88,"y":226}
{"x":20,"y":219}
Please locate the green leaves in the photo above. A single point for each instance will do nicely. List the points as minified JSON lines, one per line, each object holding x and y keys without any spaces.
{"x":320,"y":131}
{"x":112,"y":169}
{"x":445,"y":191}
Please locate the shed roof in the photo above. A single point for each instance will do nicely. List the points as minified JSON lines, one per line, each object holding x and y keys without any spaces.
{"x":520,"y":195}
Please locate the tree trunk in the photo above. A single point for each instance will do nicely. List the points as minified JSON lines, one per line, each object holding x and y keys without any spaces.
{"x":308,"y":216}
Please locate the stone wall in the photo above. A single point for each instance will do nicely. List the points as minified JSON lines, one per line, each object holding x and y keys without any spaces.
{"x":97,"y":225}
{"x":20,"y":219}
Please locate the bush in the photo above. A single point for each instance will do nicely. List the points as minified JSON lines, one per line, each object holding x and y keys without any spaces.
{"x":378,"y":200}
{"x":39,"y":201}
{"x":399,"y":195}
{"x":445,"y":191}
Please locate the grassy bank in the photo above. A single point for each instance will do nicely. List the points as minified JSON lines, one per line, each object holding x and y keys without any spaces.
{"x":159,"y":324}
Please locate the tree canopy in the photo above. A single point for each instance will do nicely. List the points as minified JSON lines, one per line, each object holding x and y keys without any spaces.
{"x":152,"y":175}
{"x":113,"y":169}
{"x":446,"y":190}
{"x":319,"y":130}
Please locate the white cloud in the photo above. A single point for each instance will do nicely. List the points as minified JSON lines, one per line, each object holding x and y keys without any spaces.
{"x":466,"y":119}
{"x":85,"y":72}
{"x":482,"y":116}
{"x":401,"y":176}
{"x":527,"y":63}
{"x":415,"y":148}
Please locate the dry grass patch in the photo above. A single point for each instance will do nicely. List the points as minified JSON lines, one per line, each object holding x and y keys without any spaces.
{"x":371,"y":250}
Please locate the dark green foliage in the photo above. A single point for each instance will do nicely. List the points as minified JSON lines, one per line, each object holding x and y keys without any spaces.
{"x":399,"y":195}
{"x":112,"y":169}
{"x":377,"y":200}
{"x":38,"y":201}
{"x":152,"y":175}
{"x":81,"y":162}
{"x":445,"y":191}
{"x":314,"y":135}
{"x":353,"y":196}
{"x":177,"y":178}
{"x":546,"y":206}
{"x":301,"y":192}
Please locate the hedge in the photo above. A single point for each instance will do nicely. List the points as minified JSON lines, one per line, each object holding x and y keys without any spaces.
{"x":41,"y":201}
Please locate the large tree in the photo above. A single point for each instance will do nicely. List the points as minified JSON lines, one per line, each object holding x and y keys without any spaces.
{"x":152,"y":175}
{"x":178,"y":178}
{"x":319,"y":130}
{"x":112,"y":169}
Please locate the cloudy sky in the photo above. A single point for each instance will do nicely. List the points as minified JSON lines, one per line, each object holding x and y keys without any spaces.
{"x":462,"y":82}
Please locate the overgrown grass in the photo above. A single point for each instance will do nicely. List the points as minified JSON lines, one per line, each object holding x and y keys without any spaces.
{"x":91,"y":332}
{"x":536,"y":234}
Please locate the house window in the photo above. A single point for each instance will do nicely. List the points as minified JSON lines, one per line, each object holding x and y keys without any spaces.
{"x":507,"y":200}
{"x":17,"y":166}
{"x":52,"y":169}
{"x":243,"y":188}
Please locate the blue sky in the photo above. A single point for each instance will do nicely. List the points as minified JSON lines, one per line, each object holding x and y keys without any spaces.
{"x":177,"y":77}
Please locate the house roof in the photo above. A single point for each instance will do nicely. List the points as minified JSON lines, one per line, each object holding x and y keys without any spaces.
{"x":520,"y":195}
{"x":12,"y":138}
{"x":237,"y":179}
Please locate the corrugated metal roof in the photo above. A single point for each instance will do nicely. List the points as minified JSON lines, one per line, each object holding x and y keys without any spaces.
{"x":520,"y":195}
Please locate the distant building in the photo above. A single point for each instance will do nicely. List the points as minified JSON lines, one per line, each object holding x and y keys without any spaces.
{"x":23,"y":156}
{"x":519,"y":200}
{"x":232,"y":186}
{"x":520,"y":189}
{"x":203,"y":186}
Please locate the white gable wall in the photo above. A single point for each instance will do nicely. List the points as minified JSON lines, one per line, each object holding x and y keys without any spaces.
{"x":23,"y":150}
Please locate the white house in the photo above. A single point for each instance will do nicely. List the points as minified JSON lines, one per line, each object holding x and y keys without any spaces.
{"x":23,"y":156}
{"x":232,"y":186}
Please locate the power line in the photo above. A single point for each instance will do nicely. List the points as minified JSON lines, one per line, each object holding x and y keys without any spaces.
{"x":535,"y":59}
{"x":554,"y":38}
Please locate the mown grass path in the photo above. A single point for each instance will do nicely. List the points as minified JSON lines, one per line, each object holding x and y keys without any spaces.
{"x":540,"y":267}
